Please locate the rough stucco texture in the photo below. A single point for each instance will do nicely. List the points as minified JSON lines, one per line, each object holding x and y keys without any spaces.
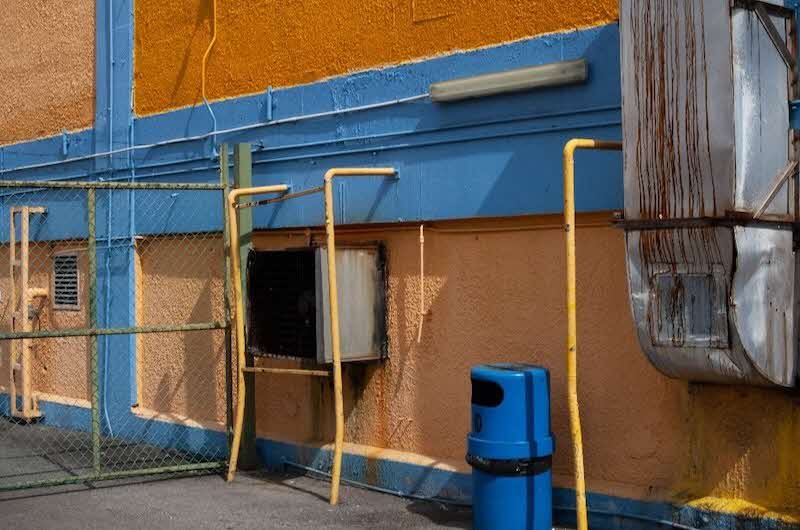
{"x":47,"y":68}
{"x":59,"y":366}
{"x":293,"y":42}
{"x":180,"y":282}
{"x":494,"y":297}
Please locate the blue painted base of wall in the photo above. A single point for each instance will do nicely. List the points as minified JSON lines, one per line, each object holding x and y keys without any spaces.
{"x":166,"y":435}
{"x":606,"y":512}
{"x":55,"y":414}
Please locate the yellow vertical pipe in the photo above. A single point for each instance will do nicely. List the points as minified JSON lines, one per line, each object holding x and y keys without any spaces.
{"x":338,"y":445}
{"x":13,"y":300}
{"x":238,"y":316}
{"x":421,"y":281}
{"x":333,"y":298}
{"x":238,"y":313}
{"x":27,"y":400}
{"x":572,"y":320}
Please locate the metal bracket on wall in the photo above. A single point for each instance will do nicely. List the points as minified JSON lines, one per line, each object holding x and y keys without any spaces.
{"x":794,"y":114}
{"x":789,"y":171}
{"x":774,"y":35}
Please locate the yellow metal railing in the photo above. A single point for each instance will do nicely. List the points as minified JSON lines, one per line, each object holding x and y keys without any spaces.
{"x":233,"y":205}
{"x":572,"y":324}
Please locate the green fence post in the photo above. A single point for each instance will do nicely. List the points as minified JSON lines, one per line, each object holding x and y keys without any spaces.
{"x":243,"y":178}
{"x":225,"y":183}
{"x":91,"y":203}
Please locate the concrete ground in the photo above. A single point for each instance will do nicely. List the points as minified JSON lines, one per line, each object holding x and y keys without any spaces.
{"x":253,"y":501}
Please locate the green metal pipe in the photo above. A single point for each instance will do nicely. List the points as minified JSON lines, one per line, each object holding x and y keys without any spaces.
{"x":83,"y":185}
{"x":243,"y":178}
{"x":113,"y":475}
{"x":226,"y":236}
{"x":90,"y":332}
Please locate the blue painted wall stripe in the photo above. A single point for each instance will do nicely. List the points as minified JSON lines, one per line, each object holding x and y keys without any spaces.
{"x":497,"y":156}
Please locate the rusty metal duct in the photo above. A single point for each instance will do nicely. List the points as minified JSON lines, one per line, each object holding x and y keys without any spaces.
{"x":710,"y":187}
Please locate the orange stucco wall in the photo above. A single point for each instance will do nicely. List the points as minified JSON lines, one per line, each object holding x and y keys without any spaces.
{"x":492,"y":294}
{"x":287,"y":43}
{"x":179,"y":281}
{"x":493,"y":297}
{"x":46,"y":68}
{"x":498,"y":296}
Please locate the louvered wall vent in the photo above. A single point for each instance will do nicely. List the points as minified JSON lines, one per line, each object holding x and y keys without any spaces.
{"x":66,"y":282}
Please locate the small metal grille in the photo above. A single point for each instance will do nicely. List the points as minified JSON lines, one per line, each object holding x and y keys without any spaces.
{"x":66,"y":288}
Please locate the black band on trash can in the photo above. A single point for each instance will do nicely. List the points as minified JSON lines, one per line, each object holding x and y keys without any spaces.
{"x":511,"y":468}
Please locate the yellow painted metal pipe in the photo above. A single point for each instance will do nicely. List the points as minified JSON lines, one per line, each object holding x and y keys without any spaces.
{"x":334,"y":314}
{"x":238,"y":313}
{"x":572,"y":325}
{"x":338,"y":445}
{"x":287,"y":371}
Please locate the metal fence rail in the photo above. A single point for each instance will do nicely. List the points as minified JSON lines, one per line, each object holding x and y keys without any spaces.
{"x":114,"y":331}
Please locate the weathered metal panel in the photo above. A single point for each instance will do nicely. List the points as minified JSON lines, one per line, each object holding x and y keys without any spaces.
{"x":668,"y":327}
{"x":761,"y":87}
{"x":706,"y":132}
{"x":677,"y":108}
{"x":362,"y":314}
{"x":763,"y":300}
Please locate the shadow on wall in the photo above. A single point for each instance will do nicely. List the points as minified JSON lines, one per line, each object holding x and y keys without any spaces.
{"x":202,"y":20}
{"x":180,"y":283}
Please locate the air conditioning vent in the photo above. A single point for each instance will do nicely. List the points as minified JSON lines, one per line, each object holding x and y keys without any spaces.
{"x":66,"y":282}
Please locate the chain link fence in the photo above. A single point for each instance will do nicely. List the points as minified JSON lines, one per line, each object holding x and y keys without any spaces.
{"x":114,"y":331}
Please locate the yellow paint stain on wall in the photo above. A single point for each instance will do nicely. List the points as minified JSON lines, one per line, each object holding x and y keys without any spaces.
{"x":741,"y":508}
{"x":46,"y":68}
{"x":284,"y":43}
{"x":743,"y":444}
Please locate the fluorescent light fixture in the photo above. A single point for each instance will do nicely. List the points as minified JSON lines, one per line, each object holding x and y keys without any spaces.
{"x":546,"y":75}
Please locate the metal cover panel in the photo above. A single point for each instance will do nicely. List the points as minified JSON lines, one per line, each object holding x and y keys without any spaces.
{"x":678,"y":108}
{"x":362,"y":309}
{"x":761,"y":86}
{"x":763,"y":294}
{"x":689,"y":309}
{"x":700,"y":252}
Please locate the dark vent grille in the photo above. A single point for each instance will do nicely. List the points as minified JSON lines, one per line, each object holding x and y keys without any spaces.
{"x":66,"y":288}
{"x":282,"y":304}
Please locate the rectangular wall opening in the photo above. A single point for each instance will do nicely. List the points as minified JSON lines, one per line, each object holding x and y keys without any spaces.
{"x":281,"y":302}
{"x":288,"y":303}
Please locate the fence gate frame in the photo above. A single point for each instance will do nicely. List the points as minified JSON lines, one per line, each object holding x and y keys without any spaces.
{"x":94,"y":330}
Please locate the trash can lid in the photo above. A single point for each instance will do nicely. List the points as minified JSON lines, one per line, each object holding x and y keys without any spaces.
{"x":512,"y":367}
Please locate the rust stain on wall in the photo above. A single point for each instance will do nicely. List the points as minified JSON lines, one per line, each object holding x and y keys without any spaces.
{"x":47,"y":68}
{"x":288,"y":43}
{"x":494,"y":297}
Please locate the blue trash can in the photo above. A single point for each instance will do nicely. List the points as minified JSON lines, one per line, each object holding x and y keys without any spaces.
{"x":510,"y":448}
